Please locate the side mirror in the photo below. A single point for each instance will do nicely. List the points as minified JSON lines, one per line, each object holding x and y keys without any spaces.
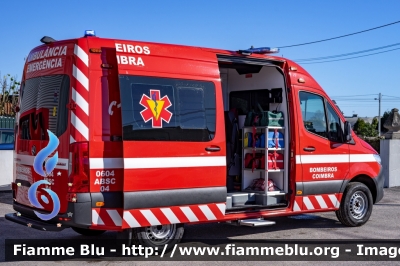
{"x":347,"y":132}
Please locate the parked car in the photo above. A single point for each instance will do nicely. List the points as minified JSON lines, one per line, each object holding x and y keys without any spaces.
{"x":6,"y":139}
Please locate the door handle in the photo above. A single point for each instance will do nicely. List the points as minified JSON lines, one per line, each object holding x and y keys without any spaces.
{"x":309,"y":148}
{"x":213,"y":148}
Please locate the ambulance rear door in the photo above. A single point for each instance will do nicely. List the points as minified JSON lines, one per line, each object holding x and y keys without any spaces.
{"x":173,"y":135}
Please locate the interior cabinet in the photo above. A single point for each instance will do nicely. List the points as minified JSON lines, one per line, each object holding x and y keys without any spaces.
{"x":266,"y":151}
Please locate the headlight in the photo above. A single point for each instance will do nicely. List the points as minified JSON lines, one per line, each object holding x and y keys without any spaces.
{"x":377,"y":158}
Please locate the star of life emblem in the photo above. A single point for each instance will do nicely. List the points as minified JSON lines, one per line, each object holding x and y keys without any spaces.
{"x":156,"y":108}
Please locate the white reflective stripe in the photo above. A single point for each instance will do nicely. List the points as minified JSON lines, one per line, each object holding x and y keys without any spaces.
{"x":129,"y":219}
{"x":296,"y":207}
{"x":96,"y":218}
{"x":308,"y":203}
{"x":71,"y":139}
{"x":105,"y":163}
{"x":321,"y":158}
{"x":28,"y":160}
{"x":334,"y":158}
{"x":334,"y":201}
{"x":150,"y":217}
{"x":80,"y":101}
{"x":172,"y":162}
{"x":321,"y":202}
{"x":357,"y":158}
{"x":170,"y":215}
{"x":80,"y":126}
{"x":81,"y":54}
{"x":221,"y":207}
{"x":189,"y":214}
{"x":160,"y":162}
{"x":80,"y":77}
{"x":207,"y":212}
{"x":115,"y":217}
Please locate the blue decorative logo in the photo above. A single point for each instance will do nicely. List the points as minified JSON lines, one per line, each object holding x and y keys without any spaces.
{"x":50,"y":164}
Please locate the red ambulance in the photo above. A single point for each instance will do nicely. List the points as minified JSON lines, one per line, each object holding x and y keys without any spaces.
{"x":148,"y":137}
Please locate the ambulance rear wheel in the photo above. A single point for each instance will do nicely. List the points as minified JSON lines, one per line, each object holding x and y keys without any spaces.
{"x":356,"y":206}
{"x":87,"y":232}
{"x":158,"y":235}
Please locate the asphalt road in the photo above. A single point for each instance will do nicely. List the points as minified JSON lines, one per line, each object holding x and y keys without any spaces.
{"x":383,"y":224}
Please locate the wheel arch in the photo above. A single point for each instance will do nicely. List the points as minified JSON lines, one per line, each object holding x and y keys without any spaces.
{"x":366,"y":180}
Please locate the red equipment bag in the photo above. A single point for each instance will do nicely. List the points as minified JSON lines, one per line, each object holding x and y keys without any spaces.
{"x":257,"y":185}
{"x":256,"y":161}
{"x":275,"y":161}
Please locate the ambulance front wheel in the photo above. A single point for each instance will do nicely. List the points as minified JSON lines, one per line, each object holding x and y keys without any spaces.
{"x":356,"y":206}
{"x":158,"y":235}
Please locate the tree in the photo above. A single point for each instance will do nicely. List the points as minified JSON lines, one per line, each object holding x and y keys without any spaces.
{"x":366,"y":129}
{"x":9,"y":87}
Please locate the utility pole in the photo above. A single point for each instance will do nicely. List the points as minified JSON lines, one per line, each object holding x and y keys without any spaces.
{"x":379,"y":115}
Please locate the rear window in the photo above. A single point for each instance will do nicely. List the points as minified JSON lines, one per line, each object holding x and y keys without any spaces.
{"x":167,"y":109}
{"x":44,"y":106}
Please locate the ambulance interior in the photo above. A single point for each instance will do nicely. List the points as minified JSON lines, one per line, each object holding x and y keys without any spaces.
{"x":255,"y":88}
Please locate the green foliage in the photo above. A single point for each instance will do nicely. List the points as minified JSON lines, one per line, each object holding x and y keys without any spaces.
{"x":366,"y":129}
{"x":9,"y":88}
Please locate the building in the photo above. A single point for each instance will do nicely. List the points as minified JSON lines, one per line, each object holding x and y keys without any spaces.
{"x":353,"y":119}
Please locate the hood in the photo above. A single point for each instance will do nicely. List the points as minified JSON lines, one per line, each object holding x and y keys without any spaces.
{"x":367,"y":146}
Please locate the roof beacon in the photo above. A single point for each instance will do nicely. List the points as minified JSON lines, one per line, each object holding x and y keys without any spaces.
{"x":261,"y":50}
{"x":89,"y":33}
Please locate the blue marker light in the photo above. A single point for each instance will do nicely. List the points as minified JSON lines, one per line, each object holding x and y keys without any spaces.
{"x":90,"y":33}
{"x":260,"y":50}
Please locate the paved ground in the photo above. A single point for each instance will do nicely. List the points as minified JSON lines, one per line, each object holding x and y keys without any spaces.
{"x":383,"y":224}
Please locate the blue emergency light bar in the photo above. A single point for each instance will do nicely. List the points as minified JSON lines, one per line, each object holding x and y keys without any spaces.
{"x":89,"y":33}
{"x":261,"y":50}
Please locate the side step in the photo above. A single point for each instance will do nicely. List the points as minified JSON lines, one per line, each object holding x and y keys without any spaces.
{"x":256,"y":222}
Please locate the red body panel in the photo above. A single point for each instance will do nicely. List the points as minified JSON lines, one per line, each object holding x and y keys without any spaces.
{"x":134,"y":166}
{"x":42,"y":61}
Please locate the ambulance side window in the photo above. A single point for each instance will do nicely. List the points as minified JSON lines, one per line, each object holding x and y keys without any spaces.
{"x":335,"y":130}
{"x":166,"y":109}
{"x":313,"y":113}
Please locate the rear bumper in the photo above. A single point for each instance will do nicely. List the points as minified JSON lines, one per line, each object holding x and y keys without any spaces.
{"x":78,"y":214}
{"x":34,"y":223}
{"x":379,"y":181}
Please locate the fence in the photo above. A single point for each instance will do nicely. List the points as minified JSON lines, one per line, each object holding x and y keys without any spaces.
{"x":7,"y":122}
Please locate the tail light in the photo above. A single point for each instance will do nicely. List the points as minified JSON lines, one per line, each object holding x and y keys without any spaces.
{"x":78,"y":180}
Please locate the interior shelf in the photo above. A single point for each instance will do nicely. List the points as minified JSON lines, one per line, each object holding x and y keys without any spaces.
{"x":262,"y":149}
{"x":276,"y":192}
{"x":278,"y":176}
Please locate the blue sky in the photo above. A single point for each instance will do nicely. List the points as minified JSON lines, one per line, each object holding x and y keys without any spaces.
{"x":230,"y":25}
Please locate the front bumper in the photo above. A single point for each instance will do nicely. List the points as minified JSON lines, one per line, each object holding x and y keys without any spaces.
{"x":379,"y":181}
